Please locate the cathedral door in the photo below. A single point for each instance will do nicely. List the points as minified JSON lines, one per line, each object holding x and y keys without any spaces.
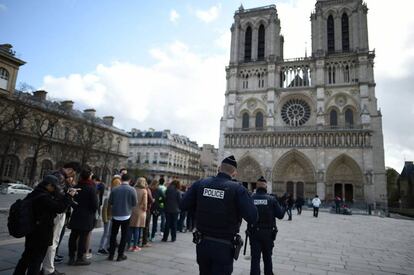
{"x":300,"y":191}
{"x":349,"y":192}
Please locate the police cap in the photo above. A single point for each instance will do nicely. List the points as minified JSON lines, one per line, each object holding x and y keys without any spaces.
{"x":262,"y":179}
{"x":230,"y":160}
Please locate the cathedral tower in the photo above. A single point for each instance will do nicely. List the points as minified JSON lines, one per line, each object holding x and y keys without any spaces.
{"x":309,"y":125}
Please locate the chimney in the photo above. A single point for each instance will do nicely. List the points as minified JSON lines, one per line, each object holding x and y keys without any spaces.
{"x":67,"y":105}
{"x":40,"y":95}
{"x":108,"y":120}
{"x":89,"y":112}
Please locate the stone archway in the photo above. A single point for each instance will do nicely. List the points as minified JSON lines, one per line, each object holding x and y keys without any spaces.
{"x":248,"y":172}
{"x":345,"y":179}
{"x":294,"y":173}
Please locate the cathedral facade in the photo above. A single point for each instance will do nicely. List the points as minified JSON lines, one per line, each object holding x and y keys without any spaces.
{"x":309,"y":125}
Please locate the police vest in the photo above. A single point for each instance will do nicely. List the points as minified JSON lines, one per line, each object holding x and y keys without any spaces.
{"x":264,"y":204}
{"x":216,"y":211}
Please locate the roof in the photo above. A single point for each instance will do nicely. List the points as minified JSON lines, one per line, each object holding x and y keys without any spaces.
{"x":57,"y":107}
{"x":408,"y":170}
{"x":163,"y":135}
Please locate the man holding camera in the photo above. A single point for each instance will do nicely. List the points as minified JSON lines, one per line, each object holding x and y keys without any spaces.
{"x":48,"y":201}
{"x":219,"y":205}
{"x":263,"y":232}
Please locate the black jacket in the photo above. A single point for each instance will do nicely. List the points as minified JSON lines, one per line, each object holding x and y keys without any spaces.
{"x":83,"y":215}
{"x":45,"y":208}
{"x":172,"y":200}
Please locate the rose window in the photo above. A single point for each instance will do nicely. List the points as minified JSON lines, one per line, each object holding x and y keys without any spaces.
{"x":295,"y":112}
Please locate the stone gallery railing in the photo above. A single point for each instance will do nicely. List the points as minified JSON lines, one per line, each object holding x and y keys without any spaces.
{"x":304,"y":138}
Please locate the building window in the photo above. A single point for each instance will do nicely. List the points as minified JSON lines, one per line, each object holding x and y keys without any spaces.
{"x":345,"y":33}
{"x":349,"y":118}
{"x":4,"y":78}
{"x":259,"y":121}
{"x":246,"y":82}
{"x":245,"y":121}
{"x":333,"y":118}
{"x":261,"y":43}
{"x":10,"y":167}
{"x":331,"y":75}
{"x":346,"y":74}
{"x":155,"y":160}
{"x":27,"y":167}
{"x":46,"y":167}
{"x":261,"y":80}
{"x":248,"y":44}
{"x":331,"y":34}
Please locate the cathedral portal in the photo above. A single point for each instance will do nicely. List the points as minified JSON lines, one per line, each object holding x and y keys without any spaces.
{"x":294,"y":173}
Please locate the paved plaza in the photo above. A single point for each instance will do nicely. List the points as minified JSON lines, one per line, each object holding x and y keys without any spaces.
{"x":330,"y":244}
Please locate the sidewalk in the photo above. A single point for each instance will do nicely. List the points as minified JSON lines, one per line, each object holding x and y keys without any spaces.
{"x":329,"y":244}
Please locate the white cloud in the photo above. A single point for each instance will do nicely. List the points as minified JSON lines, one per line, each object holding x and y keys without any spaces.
{"x":181,"y":91}
{"x":210,"y":14}
{"x":224,"y":39}
{"x":3,"y":7}
{"x":174,"y":16}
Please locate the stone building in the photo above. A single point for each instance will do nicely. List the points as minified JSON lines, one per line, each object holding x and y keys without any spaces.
{"x":38,"y":135}
{"x":310,"y":125}
{"x":161,"y":154}
{"x":209,"y":160}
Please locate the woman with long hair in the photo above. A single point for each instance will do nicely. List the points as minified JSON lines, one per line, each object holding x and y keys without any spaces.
{"x":138,"y":216}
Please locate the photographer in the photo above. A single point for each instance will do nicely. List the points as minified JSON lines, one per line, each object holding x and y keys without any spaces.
{"x":65,"y":176}
{"x":47,"y":200}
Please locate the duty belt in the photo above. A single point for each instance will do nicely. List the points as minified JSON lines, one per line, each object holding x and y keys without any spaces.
{"x":218,"y":240}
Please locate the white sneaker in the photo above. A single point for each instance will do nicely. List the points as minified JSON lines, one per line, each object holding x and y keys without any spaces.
{"x":88,"y":256}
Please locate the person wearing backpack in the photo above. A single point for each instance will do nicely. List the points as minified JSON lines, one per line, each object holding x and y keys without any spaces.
{"x":46,"y":201}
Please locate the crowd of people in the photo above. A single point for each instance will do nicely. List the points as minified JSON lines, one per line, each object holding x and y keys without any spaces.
{"x":76,"y":199}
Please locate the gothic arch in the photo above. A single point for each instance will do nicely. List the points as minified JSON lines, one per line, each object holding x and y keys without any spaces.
{"x":344,"y":170}
{"x":248,"y":170}
{"x":261,"y":21}
{"x":294,"y":167}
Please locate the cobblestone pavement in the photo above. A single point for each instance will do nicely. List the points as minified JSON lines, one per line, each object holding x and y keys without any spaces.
{"x":330,"y":244}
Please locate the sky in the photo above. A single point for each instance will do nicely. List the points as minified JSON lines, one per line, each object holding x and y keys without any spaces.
{"x":161,"y":64}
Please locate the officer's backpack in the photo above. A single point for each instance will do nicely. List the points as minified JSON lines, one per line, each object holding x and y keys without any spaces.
{"x":21,"y":221}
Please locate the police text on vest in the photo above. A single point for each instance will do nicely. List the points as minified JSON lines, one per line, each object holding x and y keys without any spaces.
{"x":260,"y":202}
{"x":213,"y":193}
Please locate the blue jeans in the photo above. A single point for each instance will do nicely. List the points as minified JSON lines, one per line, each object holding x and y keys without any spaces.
{"x":180,"y":226}
{"x":134,"y":234}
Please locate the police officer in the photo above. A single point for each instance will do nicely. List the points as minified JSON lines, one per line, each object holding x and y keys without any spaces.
{"x":219,"y":205}
{"x":263,"y":232}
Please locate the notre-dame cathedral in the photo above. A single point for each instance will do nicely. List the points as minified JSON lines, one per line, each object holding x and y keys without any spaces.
{"x":310,"y":125}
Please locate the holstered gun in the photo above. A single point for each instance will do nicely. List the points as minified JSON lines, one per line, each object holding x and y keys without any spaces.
{"x":237,"y":245}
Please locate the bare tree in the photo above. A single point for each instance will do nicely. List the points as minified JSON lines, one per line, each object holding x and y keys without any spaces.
{"x":88,"y":137}
{"x":12,"y":117}
{"x":41,"y":127}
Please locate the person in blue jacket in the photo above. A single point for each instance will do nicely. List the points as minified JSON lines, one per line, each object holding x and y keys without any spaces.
{"x":219,"y":205}
{"x":263,"y":232}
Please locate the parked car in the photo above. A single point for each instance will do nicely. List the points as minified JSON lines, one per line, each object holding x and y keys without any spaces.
{"x":15,"y":188}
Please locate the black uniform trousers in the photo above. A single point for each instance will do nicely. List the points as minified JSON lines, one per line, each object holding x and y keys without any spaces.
{"x":32,"y":257}
{"x":261,"y":242}
{"x":214,"y":258}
